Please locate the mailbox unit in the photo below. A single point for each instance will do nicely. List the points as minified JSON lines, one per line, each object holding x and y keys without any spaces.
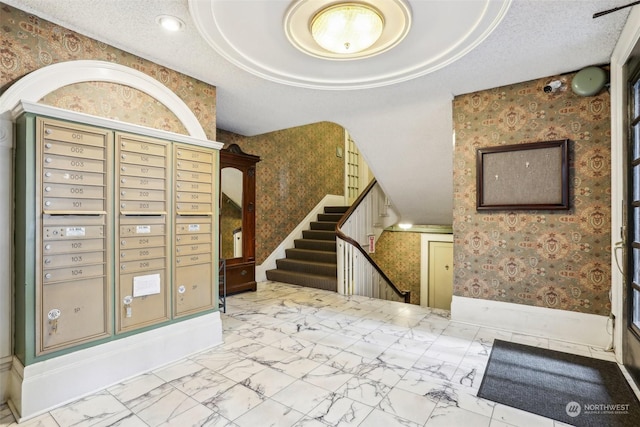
{"x":115,"y":234}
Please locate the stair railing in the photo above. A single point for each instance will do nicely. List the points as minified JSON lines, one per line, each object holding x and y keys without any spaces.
{"x":358,"y":273}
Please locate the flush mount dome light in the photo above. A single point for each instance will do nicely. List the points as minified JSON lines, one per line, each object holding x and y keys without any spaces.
{"x":348,"y":30}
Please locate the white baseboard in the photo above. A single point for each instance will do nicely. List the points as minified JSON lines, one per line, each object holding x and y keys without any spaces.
{"x":570,"y":326}
{"x":279,"y":252}
{"x":45,"y":385}
{"x":5,"y":376}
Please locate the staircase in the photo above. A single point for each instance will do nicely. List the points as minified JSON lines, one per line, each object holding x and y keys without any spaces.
{"x":312,"y":262}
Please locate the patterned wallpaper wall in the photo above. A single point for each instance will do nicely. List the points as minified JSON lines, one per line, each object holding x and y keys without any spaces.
{"x":297,"y":168}
{"x":555,"y":259}
{"x":398,"y":255}
{"x":28,"y":43}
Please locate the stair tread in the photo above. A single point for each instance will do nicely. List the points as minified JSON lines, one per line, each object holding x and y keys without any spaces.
{"x":303,"y":261}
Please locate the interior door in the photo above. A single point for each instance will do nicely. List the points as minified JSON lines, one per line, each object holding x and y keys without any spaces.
{"x":631,"y":309}
{"x":440,"y":275}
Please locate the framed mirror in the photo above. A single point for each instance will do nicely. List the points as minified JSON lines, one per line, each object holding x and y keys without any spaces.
{"x":230,"y":213}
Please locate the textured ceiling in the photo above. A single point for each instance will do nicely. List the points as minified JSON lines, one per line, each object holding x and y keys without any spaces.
{"x":404,"y":130}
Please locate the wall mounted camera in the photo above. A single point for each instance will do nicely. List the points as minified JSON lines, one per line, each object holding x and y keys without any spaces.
{"x":553,"y":86}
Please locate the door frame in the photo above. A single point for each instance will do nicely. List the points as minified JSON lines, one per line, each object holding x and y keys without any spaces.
{"x":629,"y":38}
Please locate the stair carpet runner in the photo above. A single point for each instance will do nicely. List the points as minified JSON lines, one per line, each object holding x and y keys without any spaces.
{"x":312,"y":262}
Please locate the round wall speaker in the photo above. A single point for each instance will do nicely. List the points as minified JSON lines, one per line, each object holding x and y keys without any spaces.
{"x":589,"y":81}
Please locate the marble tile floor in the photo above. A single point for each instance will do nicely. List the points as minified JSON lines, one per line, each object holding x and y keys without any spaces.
{"x":296,"y":356}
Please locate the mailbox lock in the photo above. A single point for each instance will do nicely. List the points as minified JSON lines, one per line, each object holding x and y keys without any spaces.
{"x":47,"y":276}
{"x":182,"y":289}
{"x":127,"y":305}
{"x":47,"y":131}
{"x":47,"y":189}
{"x":124,"y":156}
{"x":123,"y":180}
{"x":47,"y":247}
{"x":47,"y":203}
{"x":47,"y":145}
{"x":48,"y":160}
{"x":47,"y":174}
{"x":53,"y":316}
{"x":122,"y":193}
{"x":47,"y":261}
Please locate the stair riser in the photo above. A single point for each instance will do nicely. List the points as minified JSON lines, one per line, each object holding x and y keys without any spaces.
{"x":316,"y":245}
{"x":336,"y":209}
{"x":307,"y":268}
{"x":318,"y":235}
{"x":323,"y":225}
{"x":318,"y":256}
{"x":330,"y":217}
{"x":307,"y":281}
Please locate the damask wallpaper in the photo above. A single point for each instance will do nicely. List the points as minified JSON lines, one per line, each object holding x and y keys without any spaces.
{"x":398,"y":255}
{"x":28,"y":43}
{"x":555,"y":259}
{"x":297,"y":168}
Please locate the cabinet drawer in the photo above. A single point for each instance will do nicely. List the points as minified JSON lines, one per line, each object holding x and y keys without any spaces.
{"x":136,"y":206}
{"x":198,"y":187}
{"x":142,"y":253}
{"x":72,"y":246}
{"x":193,"y":176}
{"x":241,"y":277}
{"x":67,"y":133}
{"x":142,"y":310}
{"x":194,"y":289}
{"x":194,"y":238}
{"x":185,"y":165}
{"x":193,"y":249}
{"x":199,"y":208}
{"x":74,"y":205}
{"x":74,"y":150}
{"x":183,"y":197}
{"x":142,"y":159}
{"x":144,"y":171}
{"x":74,"y":164}
{"x":193,"y":226}
{"x":142,"y":242}
{"x":73,"y":259}
{"x":194,"y":155}
{"x":142,"y":194}
{"x":142,"y":182}
{"x":75,"y":191}
{"x":72,"y":232}
{"x":52,"y":275}
{"x":142,"y":229}
{"x":193,"y":259}
{"x":142,"y":265}
{"x":74,"y":312}
{"x":142,"y":147}
{"x":67,"y":177}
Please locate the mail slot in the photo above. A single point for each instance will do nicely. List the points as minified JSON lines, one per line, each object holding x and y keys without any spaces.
{"x":142,"y":182}
{"x":76,"y":191}
{"x":142,"y":159}
{"x":191,"y":226}
{"x":193,"y":259}
{"x":72,"y":313}
{"x":74,"y":150}
{"x":144,"y":171}
{"x":198,"y":156}
{"x":141,"y":194}
{"x":60,"y":131}
{"x":142,"y":264}
{"x":50,"y":204}
{"x":193,"y":249}
{"x":190,"y":207}
{"x":52,"y":275}
{"x":193,"y":289}
{"x":193,"y":239}
{"x":144,"y":227}
{"x":72,"y":246}
{"x":142,"y":147}
{"x":185,"y":165}
{"x":142,"y":310}
{"x":137,"y":206}
{"x":199,"y":187}
{"x":142,"y":242}
{"x":193,"y":176}
{"x":73,"y":259}
{"x":53,"y":161}
{"x":69,"y":177}
{"x":183,"y":197}
{"x":73,"y":230}
{"x":142,"y":253}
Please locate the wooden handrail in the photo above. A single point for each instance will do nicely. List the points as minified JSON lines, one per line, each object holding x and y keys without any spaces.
{"x":402,"y":294}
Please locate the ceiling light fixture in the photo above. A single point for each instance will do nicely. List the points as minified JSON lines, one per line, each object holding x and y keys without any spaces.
{"x":170,"y":23}
{"x":347,"y":29}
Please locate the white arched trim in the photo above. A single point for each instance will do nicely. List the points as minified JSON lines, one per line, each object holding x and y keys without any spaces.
{"x":39,"y":83}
